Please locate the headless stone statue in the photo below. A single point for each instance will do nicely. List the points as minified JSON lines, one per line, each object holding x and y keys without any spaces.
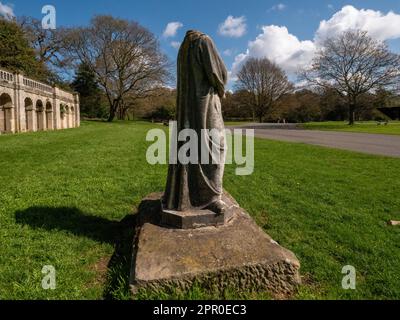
{"x":202,"y":77}
{"x":199,"y":234}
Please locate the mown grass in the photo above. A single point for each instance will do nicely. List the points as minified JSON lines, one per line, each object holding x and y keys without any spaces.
{"x":67,"y":199}
{"x":236,"y":123}
{"x":392,"y":127}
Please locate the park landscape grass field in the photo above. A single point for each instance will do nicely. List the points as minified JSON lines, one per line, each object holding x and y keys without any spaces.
{"x":67,"y":199}
{"x":392,"y":127}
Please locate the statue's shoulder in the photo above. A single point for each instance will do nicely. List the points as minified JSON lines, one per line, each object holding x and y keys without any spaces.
{"x":199,"y":38}
{"x":205,"y":37}
{"x":206,"y":40}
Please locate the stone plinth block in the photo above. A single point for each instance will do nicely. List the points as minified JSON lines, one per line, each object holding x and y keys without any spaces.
{"x":194,"y":219}
{"x":237,"y":256}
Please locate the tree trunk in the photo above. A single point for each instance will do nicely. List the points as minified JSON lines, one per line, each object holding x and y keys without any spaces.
{"x":113,"y":110}
{"x":111,"y":116}
{"x":351,"y":113}
{"x":352,"y":101}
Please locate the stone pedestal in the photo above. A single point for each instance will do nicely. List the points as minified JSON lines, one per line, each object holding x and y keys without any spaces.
{"x":195,"y":219}
{"x":230,"y":253}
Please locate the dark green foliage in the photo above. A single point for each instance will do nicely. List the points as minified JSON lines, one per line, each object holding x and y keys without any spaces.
{"x":91,"y":96}
{"x":16,"y":54}
{"x":163,"y":113}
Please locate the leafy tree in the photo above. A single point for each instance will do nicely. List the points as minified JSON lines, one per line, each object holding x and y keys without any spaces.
{"x":300,"y":106}
{"x":237,"y":105}
{"x":16,"y":54}
{"x":91,"y":96}
{"x":333,"y":106}
{"x":160,"y":106}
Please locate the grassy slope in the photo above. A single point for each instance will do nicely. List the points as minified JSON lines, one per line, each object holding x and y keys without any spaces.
{"x":63,"y":193}
{"x":392,"y":128}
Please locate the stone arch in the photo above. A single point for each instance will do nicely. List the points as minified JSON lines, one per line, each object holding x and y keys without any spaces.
{"x":29,"y":114}
{"x":40,"y":118}
{"x":62,"y":115}
{"x":6,"y":114}
{"x":49,"y":116}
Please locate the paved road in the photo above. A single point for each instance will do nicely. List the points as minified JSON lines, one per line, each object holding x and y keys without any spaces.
{"x":386,"y":145}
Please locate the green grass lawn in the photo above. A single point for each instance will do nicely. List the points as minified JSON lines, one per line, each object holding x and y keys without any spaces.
{"x":67,"y":199}
{"x":236,"y":123}
{"x":393,"y":127}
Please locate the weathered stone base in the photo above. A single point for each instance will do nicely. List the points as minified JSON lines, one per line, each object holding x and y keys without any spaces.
{"x":236,"y":256}
{"x":195,"y":219}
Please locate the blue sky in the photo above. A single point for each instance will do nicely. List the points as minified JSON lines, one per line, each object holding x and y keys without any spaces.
{"x":301,"y":18}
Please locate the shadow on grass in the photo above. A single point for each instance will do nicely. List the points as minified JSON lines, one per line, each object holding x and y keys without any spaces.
{"x":119,"y":234}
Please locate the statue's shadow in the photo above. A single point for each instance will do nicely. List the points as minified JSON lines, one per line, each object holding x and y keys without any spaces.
{"x":119,"y":234}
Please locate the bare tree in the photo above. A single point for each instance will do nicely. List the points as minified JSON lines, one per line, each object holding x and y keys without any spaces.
{"x":48,"y":43}
{"x":354,"y":64}
{"x":124,"y":56}
{"x":266,"y":83}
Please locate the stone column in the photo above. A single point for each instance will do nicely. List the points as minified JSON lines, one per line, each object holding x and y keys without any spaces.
{"x":49,"y":120}
{"x":67,"y":116}
{"x":9,"y":114}
{"x":20,"y":103}
{"x":77,"y":111}
{"x":73,"y":118}
{"x":42,"y":119}
{"x":2,"y":113}
{"x":34,"y":119}
{"x":56,"y":109}
{"x":29,"y":120}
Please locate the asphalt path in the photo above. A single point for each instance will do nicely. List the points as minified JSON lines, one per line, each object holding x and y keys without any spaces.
{"x":377,"y":144}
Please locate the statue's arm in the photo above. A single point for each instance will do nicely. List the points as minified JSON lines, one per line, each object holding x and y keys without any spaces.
{"x":214,"y":67}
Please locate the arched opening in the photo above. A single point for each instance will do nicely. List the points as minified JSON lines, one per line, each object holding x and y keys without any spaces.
{"x":40,"y":115}
{"x":29,"y":114}
{"x":62,"y":115}
{"x":6,"y":114}
{"x":49,"y":116}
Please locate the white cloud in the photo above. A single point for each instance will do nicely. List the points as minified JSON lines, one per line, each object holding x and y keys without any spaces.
{"x":280,"y":46}
{"x":172,"y":28}
{"x":233,"y":27}
{"x":378,"y":25}
{"x":228,"y":52}
{"x":278,"y":7}
{"x":6,"y":11}
{"x":175,"y":44}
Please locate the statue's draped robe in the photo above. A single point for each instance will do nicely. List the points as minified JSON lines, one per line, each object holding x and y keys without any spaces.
{"x":202,"y":77}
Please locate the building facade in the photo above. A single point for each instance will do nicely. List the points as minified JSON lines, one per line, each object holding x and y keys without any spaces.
{"x":27,"y":105}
